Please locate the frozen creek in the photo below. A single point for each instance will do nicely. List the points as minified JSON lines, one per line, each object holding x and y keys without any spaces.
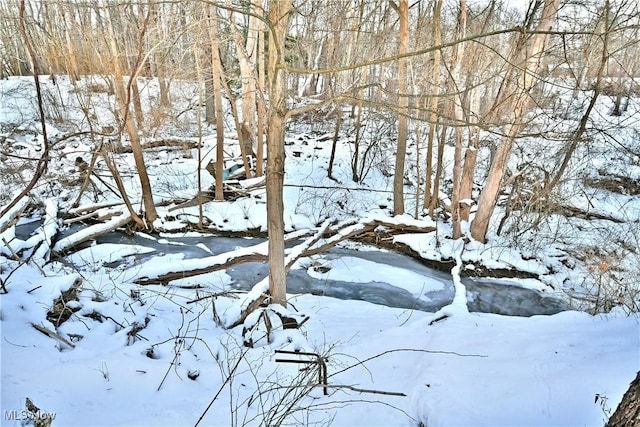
{"x":484,"y":295}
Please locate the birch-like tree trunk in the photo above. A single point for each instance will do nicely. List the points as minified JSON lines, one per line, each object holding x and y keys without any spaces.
{"x":247,"y":50}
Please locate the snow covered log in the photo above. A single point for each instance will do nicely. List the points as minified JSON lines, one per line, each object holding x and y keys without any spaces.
{"x":93,"y":231}
{"x":13,"y":213}
{"x":193,"y":267}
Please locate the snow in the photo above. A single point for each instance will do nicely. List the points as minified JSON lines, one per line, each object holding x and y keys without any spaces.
{"x":159,"y":354}
{"x":543,"y":370}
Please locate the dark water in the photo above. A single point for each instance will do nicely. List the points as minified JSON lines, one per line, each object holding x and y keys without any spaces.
{"x":483,"y":295}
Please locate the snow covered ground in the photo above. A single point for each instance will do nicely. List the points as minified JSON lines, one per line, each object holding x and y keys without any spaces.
{"x":156,"y":355}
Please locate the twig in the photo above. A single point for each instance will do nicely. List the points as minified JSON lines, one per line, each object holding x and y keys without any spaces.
{"x":363,"y":390}
{"x":439,"y":319}
{"x":231,"y":374}
{"x":407,"y":350}
{"x":323,"y":187}
{"x":52,"y":334}
{"x":215,"y":295}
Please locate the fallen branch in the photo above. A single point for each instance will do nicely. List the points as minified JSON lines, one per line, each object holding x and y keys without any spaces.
{"x":299,"y":251}
{"x":53,"y":335}
{"x":93,"y":207}
{"x":581,"y":213}
{"x":81,"y":218}
{"x":363,"y":390}
{"x":47,"y":231}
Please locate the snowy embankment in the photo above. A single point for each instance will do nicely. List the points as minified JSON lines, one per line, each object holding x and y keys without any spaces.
{"x":136,"y":350}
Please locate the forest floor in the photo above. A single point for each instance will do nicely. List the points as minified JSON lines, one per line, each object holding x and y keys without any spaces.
{"x":90,"y":340}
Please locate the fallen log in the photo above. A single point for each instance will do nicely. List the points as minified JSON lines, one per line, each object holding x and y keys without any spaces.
{"x":194,"y":267}
{"x":43,"y":238}
{"x":183,"y":144}
{"x":93,"y":231}
{"x":13,"y":213}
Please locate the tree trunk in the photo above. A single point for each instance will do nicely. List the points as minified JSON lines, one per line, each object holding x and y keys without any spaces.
{"x":458,"y":115}
{"x":435,"y":81}
{"x":261,"y":105}
{"x":246,"y":57}
{"x":627,"y":413}
{"x":519,"y":104}
{"x":216,"y":79}
{"x":401,"y":153}
{"x":334,"y":142}
{"x":278,"y":18}
{"x":435,"y":198}
{"x":130,"y":127}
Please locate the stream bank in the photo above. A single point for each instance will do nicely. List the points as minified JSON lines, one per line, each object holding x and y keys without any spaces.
{"x":338,"y":278}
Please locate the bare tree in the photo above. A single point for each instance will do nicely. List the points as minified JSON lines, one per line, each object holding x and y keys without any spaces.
{"x":123,"y":98}
{"x":520,"y":79}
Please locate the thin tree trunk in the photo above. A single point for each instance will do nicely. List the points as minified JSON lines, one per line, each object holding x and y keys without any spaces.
{"x":355,"y":158}
{"x":458,"y":115}
{"x":262,"y":112}
{"x":209,"y":97}
{"x":216,"y":76}
{"x":435,"y":81}
{"x":468,"y":171}
{"x":130,"y":127}
{"x":246,"y":56}
{"x":471,"y":154}
{"x":435,"y":199}
{"x":401,"y":150}
{"x":334,"y":142}
{"x":278,"y":18}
